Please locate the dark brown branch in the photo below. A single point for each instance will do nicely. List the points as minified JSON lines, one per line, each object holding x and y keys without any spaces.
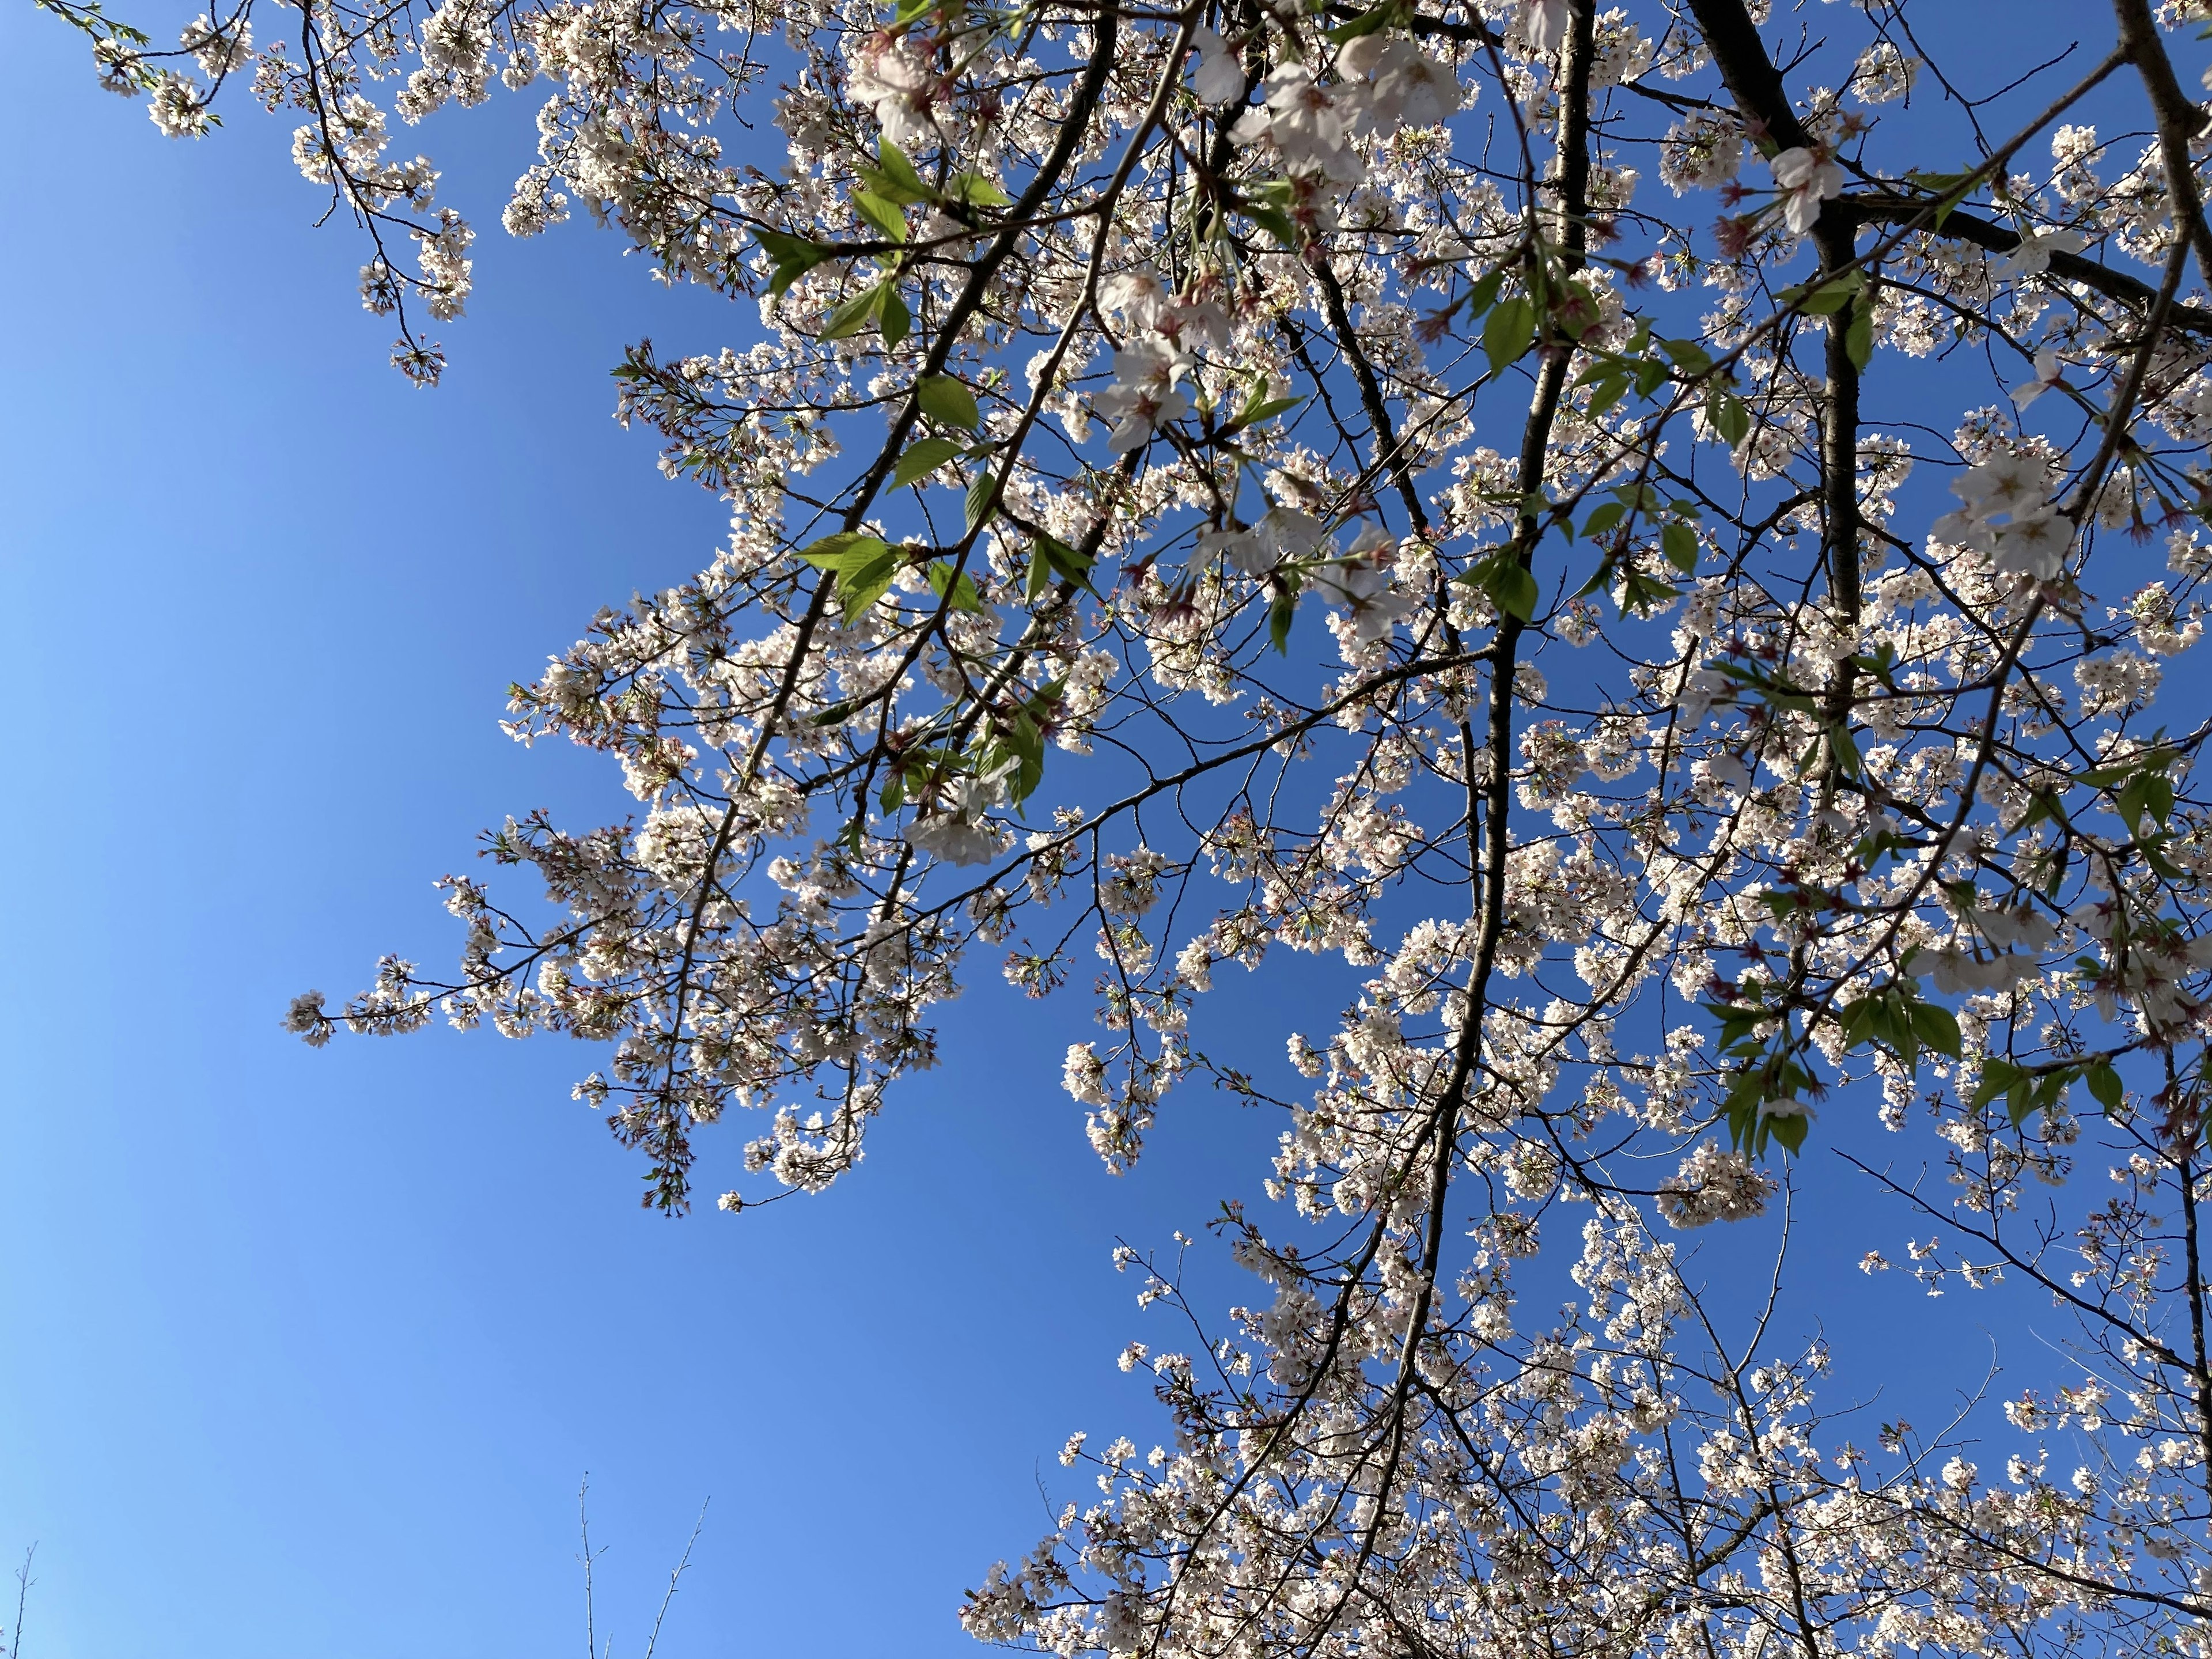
{"x":2130,"y":291}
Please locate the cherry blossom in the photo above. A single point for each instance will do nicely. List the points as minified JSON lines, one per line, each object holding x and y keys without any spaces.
{"x":1216,"y":482}
{"x":1805,"y":177}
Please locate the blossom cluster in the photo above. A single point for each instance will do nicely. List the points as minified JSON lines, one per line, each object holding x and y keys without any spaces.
{"x":1234,"y":479}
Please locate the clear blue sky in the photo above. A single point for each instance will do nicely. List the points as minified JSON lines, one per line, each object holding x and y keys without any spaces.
{"x":305,"y":1353}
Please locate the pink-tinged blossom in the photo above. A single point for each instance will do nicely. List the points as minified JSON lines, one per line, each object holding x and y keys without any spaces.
{"x":1218,"y":75}
{"x":1598,"y":931}
{"x":1805,"y":179}
{"x":1144,"y":396}
{"x":1305,"y":124}
{"x":2049,"y":373}
{"x":2033,"y":256}
{"x":1544,"y":25}
{"x":1387,"y":82}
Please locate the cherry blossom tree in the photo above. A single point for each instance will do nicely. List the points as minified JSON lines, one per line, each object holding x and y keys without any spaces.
{"x":1649,"y":538}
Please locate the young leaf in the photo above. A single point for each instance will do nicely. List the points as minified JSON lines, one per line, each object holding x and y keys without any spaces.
{"x":894,"y":319}
{"x":1026,"y":741}
{"x":1679,"y":544}
{"x":945,"y":399}
{"x":1831,"y":297}
{"x":1513,"y":589}
{"x":883,"y":214}
{"x":1282,"y":610}
{"x":1509,"y":332}
{"x":965,"y":594}
{"x":977,"y":190}
{"x":860,"y":588}
{"x":981,"y":495}
{"x":862,"y":566}
{"x":1999,"y":1077}
{"x":2105,"y":1084}
{"x":850,"y":318}
{"x":1937,"y":1028}
{"x":1603,"y":518}
{"x":1731,"y":419}
{"x":1066,"y":563}
{"x":900,"y":171}
{"x":792,"y":258}
{"x":1276,"y":223}
{"x":1858,"y":339}
{"x":842,"y":551}
{"x":924,"y":458}
{"x":1367,"y":23}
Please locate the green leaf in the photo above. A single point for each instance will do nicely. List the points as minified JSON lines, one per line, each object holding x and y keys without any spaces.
{"x":2105,"y":1084}
{"x":981,"y":495}
{"x":1484,"y":295}
{"x":794,"y":256}
{"x":1791,"y":1129}
{"x":1026,"y":741}
{"x":893,"y":318}
{"x":850,"y":318}
{"x":1367,"y":23}
{"x":1610,"y":390}
{"x":862,"y":566}
{"x":1255,"y":413}
{"x":1846,"y":750}
{"x":1679,"y":544}
{"x":1282,"y":610}
{"x":977,"y":190}
{"x":1999,"y":1077}
{"x":1731,"y":419}
{"x":1688,"y":355}
{"x":924,"y":458}
{"x":860,"y":587}
{"x":861,"y":591}
{"x":1276,"y":223}
{"x":2022,"y":1103}
{"x":900,"y":171}
{"x":842,"y":551}
{"x":1832,"y":297}
{"x":1067,"y":563}
{"x":1509,"y":332}
{"x":2158,"y":796}
{"x":1937,"y":1028}
{"x":965,"y":594}
{"x":944,"y":398}
{"x":1608,"y":568}
{"x":1858,"y":339}
{"x":1053,"y":559}
{"x":884,"y":216}
{"x":1513,"y":589}
{"x":1603,"y":518}
{"x":1951,"y":188}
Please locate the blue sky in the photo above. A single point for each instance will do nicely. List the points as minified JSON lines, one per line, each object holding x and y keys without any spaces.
{"x":306,"y":1353}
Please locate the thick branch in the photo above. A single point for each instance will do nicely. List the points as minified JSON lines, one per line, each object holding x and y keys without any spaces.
{"x":2130,"y":291}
